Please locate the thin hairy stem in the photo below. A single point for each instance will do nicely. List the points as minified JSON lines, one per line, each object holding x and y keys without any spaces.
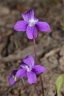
{"x":36,"y":59}
{"x":24,"y":87}
{"x":36,"y":90}
{"x":36,"y":62}
{"x":42,"y":84}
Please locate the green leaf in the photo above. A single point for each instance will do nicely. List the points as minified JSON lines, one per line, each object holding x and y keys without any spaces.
{"x":47,"y":94}
{"x":59,"y":83}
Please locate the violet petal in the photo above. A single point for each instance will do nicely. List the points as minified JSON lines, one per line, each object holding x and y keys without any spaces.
{"x":43,"y":26}
{"x":31,"y":32}
{"x":35,"y":19}
{"x":23,"y":65}
{"x":31,"y":77}
{"x":29,"y":15}
{"x":38,"y":69}
{"x":21,"y":73}
{"x":20,"y":26}
{"x":29,"y":60}
{"x":11,"y":77}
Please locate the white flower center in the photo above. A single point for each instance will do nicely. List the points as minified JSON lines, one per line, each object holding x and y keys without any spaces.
{"x":28,"y":68}
{"x":32,"y":22}
{"x":14,"y":77}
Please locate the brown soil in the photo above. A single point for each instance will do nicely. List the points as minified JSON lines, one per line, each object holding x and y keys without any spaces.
{"x":15,"y":45}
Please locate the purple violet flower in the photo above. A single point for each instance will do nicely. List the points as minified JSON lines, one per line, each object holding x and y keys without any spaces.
{"x":12,"y":77}
{"x":30,"y":24}
{"x":29,"y":69}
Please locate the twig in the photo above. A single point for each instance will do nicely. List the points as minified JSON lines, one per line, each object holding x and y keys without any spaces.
{"x":53,"y":51}
{"x":19,"y":54}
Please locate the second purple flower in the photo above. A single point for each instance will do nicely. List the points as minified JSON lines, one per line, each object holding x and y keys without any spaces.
{"x":28,"y":69}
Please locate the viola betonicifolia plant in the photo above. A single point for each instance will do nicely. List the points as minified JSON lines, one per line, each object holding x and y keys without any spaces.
{"x":29,"y":66}
{"x":28,"y":69}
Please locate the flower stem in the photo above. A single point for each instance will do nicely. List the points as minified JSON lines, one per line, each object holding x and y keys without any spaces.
{"x":36,"y":61}
{"x":42,"y":85}
{"x":24,"y":87}
{"x":36,"y":90}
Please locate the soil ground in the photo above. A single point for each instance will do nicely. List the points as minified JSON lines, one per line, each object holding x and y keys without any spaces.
{"x":15,"y":45}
